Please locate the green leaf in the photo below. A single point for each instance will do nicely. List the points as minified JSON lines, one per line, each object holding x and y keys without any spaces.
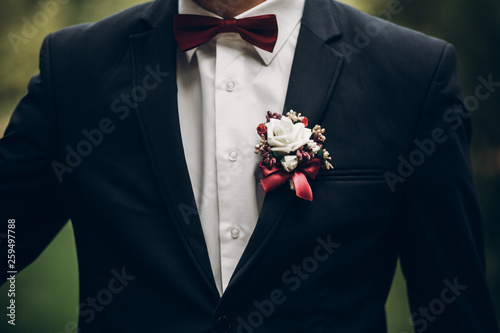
{"x":320,"y":155}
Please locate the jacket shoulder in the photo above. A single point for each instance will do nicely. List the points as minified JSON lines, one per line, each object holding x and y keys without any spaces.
{"x":375,"y":36}
{"x":108,"y":34}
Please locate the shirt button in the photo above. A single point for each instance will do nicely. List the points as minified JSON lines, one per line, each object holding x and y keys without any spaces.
{"x":235,"y":233}
{"x":223,"y":324}
{"x":230,"y":85}
{"x":233,"y":156}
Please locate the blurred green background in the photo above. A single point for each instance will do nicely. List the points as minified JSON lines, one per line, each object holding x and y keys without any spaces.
{"x":47,"y":291}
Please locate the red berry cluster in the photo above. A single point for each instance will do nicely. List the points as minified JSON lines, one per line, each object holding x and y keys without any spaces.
{"x":304,"y":154}
{"x":271,"y":115}
{"x":268,"y":158}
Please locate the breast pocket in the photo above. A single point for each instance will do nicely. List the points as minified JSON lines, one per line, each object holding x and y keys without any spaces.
{"x":351,"y":175}
{"x":349,"y":202}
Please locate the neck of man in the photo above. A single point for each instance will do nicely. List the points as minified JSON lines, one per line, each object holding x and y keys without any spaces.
{"x":228,"y":8}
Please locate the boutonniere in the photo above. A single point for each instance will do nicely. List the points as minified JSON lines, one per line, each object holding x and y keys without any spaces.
{"x":291,"y":152}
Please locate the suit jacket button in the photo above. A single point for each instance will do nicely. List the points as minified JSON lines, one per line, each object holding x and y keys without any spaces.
{"x":223,"y":324}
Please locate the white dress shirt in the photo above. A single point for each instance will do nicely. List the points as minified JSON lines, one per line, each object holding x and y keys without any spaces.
{"x":226,"y":86}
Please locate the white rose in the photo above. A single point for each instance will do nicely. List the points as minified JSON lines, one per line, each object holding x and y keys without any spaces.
{"x":289,"y":162}
{"x":283,"y":136}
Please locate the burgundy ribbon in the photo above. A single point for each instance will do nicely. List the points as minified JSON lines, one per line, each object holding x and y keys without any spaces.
{"x":276,"y":177}
{"x":191,"y":31}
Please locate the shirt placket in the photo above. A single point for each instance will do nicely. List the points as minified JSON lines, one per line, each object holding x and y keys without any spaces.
{"x":229,"y":95}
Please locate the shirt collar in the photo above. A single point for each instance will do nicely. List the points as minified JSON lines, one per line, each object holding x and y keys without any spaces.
{"x":288,"y":14}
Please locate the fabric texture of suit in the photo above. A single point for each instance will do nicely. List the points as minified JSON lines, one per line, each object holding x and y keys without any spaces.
{"x":321,"y":266}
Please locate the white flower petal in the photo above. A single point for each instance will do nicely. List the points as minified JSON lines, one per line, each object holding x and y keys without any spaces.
{"x":284,"y":136}
{"x":289,"y":162}
{"x":281,"y":150}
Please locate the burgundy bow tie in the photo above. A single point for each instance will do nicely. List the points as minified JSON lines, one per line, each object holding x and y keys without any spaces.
{"x":193,"y":30}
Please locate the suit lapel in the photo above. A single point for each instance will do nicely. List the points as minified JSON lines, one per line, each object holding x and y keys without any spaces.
{"x":316,"y":66}
{"x":154,"y":51}
{"x":315,"y":71}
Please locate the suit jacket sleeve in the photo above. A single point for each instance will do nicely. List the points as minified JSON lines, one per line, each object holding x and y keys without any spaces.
{"x":30,"y":193}
{"x":440,"y":241}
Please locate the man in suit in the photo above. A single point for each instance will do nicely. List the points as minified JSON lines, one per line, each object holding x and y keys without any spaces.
{"x":148,"y":149}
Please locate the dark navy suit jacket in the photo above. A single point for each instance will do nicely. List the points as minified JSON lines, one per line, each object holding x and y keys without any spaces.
{"x":97,"y":140}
